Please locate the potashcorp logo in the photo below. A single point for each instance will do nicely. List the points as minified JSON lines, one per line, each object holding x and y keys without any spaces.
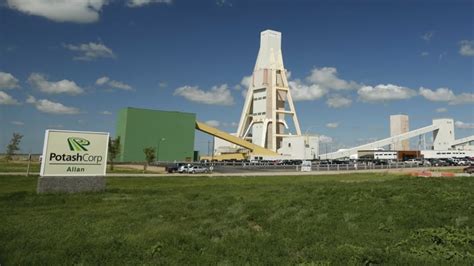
{"x":78,"y":144}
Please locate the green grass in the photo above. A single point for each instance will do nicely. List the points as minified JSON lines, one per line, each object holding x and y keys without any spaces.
{"x":338,"y":220}
{"x":19,"y":166}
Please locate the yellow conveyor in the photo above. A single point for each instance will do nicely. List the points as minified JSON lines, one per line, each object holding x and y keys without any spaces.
{"x":254,"y":149}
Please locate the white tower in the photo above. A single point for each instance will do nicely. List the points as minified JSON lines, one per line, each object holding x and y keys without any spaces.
{"x":398,"y":125}
{"x":268,"y":98}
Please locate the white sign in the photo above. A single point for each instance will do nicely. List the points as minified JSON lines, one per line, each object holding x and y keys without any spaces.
{"x":74,"y":153}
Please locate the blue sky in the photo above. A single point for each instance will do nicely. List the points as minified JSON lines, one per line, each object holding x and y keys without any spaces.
{"x":352,"y":63}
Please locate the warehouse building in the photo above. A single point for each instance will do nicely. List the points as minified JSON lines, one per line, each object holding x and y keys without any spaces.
{"x":171,"y":134}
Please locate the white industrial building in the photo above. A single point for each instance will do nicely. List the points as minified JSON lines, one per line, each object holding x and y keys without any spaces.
{"x":398,"y":125}
{"x":269,"y":121}
{"x":444,"y":142}
{"x":269,"y":117}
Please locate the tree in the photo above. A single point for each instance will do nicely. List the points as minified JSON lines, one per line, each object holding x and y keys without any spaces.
{"x":114,"y":150}
{"x":14,"y":146}
{"x":149,"y":156}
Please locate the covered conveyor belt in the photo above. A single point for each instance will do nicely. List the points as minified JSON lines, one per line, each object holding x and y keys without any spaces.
{"x":380,"y":143}
{"x":463,"y":141}
{"x":254,"y":149}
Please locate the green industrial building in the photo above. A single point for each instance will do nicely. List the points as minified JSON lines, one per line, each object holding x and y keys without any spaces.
{"x":170,"y":133}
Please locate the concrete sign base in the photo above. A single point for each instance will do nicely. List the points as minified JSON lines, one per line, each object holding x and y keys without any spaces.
{"x":70,"y":184}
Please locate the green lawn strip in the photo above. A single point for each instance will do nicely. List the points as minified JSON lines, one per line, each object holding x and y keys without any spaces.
{"x":19,"y":166}
{"x":338,"y":219}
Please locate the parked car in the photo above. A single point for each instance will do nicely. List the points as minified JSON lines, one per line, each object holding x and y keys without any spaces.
{"x":198,"y":169}
{"x":173,"y":168}
{"x":438,"y":162}
{"x":412,"y":162}
{"x":469,"y":169}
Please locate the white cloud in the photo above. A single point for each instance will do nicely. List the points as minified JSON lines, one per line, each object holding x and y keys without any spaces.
{"x":463,"y":98}
{"x":102,"y":80}
{"x":77,"y":11}
{"x":319,"y":83}
{"x":6,"y":99}
{"x":467,"y":48}
{"x":217,"y":95}
{"x":428,"y":36}
{"x":47,"y":106}
{"x":163,"y":84}
{"x":461,"y":124}
{"x":30,"y":99}
{"x":113,"y":83}
{"x":90,"y":51}
{"x":231,"y":124}
{"x":120,"y":85}
{"x":446,"y":95}
{"x":213,"y":123}
{"x":106,"y":113}
{"x":338,"y":101}
{"x":223,"y":3}
{"x":17,"y":123}
{"x":8,"y":81}
{"x":332,"y":125}
{"x":441,"y":110}
{"x":383,"y":92}
{"x":327,"y":78}
{"x":325,"y":139}
{"x":304,"y":92}
{"x":424,"y":54}
{"x":63,"y":86}
{"x":440,"y":95}
{"x":245,"y":82}
{"x":139,"y":3}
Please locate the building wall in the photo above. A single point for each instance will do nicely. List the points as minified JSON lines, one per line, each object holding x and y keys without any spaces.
{"x":300,"y":147}
{"x":170,"y":133}
{"x":399,"y":124}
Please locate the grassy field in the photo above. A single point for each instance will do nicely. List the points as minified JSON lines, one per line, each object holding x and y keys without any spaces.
{"x":324,"y":220}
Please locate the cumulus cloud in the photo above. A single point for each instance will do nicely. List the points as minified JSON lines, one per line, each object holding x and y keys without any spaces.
{"x":102,"y":80}
{"x":217,"y":95}
{"x":106,"y":113}
{"x":8,"y":81}
{"x":338,"y":101}
{"x":319,"y":83}
{"x":17,"y":123}
{"x":424,"y":54}
{"x":90,"y":51}
{"x":441,"y":110}
{"x":301,"y":91}
{"x":76,"y":11}
{"x":428,"y":36}
{"x":63,"y":86}
{"x":139,"y":3}
{"x":466,"y":48}
{"x":439,"y":95}
{"x":327,"y":78}
{"x":6,"y":99}
{"x":325,"y":139}
{"x":47,"y":106}
{"x":446,"y":95}
{"x":383,"y":92}
{"x":462,"y":125}
{"x":213,"y":123}
{"x":113,"y":83}
{"x":332,"y":125}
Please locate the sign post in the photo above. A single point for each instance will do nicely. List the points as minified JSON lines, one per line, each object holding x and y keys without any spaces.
{"x":73,"y":161}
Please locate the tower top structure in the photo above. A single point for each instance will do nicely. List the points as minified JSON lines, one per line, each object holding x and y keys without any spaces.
{"x":269,"y":55}
{"x":268,"y":99}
